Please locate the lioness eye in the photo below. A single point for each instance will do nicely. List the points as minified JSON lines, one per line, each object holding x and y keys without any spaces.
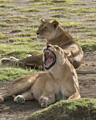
{"x":57,"y":48}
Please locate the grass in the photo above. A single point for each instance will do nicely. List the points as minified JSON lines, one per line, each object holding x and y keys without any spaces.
{"x":11,"y":73}
{"x":1,"y":36}
{"x":92,"y":34}
{"x":84,"y":10}
{"x":59,"y":1}
{"x":33,"y":10}
{"x":20,"y":39}
{"x":16,"y":31}
{"x":58,"y":8}
{"x":17,"y":18}
{"x":4,"y":1}
{"x":6,"y":6}
{"x":86,"y":28}
{"x":37,"y":0}
{"x":20,"y":50}
{"x":81,"y":109}
{"x":21,"y":9}
{"x":4,"y":14}
{"x":88,"y":45}
{"x":4,"y":24}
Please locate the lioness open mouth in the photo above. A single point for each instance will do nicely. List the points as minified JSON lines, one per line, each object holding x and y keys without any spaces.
{"x":50,"y":58}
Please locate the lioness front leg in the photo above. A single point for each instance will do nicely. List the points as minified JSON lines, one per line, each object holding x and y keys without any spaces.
{"x":20,"y":85}
{"x":46,"y":99}
{"x":23,"y":97}
{"x":33,"y":61}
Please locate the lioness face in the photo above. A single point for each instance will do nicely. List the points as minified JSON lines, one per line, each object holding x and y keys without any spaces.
{"x":47,"y":29}
{"x":53,"y":56}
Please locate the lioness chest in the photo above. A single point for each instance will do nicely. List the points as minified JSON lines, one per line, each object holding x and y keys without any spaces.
{"x":43,"y":83}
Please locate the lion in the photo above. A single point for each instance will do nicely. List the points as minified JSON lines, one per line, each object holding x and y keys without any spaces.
{"x":55,"y":35}
{"x":59,"y":81}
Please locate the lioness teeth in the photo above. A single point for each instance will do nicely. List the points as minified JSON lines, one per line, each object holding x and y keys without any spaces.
{"x":50,"y":53}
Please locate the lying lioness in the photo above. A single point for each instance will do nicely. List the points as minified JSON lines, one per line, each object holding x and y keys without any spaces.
{"x":60,"y":80}
{"x":55,"y":35}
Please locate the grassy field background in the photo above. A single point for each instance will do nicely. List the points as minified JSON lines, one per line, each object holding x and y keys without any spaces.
{"x":19,"y":20}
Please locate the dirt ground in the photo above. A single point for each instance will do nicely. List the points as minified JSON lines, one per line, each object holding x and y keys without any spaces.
{"x":87,"y":80}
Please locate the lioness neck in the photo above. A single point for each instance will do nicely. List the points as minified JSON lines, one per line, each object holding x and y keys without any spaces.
{"x":53,"y":73}
{"x":61,"y":35}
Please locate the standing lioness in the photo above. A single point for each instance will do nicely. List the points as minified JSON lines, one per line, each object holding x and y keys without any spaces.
{"x":60,"y":80}
{"x":55,"y":35}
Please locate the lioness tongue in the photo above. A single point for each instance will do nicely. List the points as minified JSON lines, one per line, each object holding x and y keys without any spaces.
{"x":49,"y":61}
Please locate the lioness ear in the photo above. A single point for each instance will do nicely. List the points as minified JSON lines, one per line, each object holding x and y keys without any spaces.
{"x":55,"y":23}
{"x":67,"y":53}
{"x":42,"y":20}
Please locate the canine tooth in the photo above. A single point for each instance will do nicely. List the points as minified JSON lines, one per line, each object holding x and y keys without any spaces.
{"x":49,"y":52}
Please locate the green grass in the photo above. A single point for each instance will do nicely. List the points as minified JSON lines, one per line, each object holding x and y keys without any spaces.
{"x":20,"y":39}
{"x":59,"y":1}
{"x":33,"y":10}
{"x":88,"y":45}
{"x":92,"y":34}
{"x":83,"y":10}
{"x":81,"y":109}
{"x":69,"y":23}
{"x":4,"y":14}
{"x":17,"y":18}
{"x":21,"y":9}
{"x":1,"y":36}
{"x":11,"y":73}
{"x":20,"y":50}
{"x":4,"y":1}
{"x":16,"y":31}
{"x":85,"y":28}
{"x":58,"y":8}
{"x":4,"y":24}
{"x":27,"y":36}
{"x":6,"y":6}
{"x":37,"y":0}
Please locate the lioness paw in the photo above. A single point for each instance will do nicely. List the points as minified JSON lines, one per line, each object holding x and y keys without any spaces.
{"x":44,"y":102}
{"x":4,"y":60}
{"x":19,"y":99}
{"x":9,"y":60}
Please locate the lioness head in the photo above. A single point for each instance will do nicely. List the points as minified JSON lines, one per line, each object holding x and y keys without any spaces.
{"x":47,"y":29}
{"x":54,"y":56}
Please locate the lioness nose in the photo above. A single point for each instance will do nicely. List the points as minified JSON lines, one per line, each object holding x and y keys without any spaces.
{"x":48,"y":46}
{"x":37,"y":33}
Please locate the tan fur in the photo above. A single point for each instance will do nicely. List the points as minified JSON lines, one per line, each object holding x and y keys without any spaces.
{"x":55,"y":35}
{"x":58,"y":82}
